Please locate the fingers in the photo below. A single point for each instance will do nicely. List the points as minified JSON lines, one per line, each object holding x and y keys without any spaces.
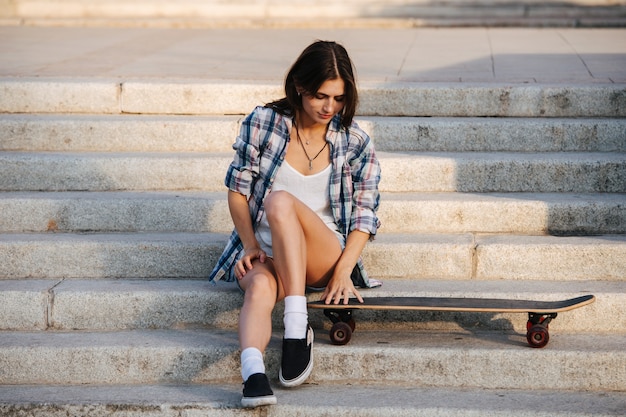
{"x":358,"y":296}
{"x":245,"y":263}
{"x":336,"y":295}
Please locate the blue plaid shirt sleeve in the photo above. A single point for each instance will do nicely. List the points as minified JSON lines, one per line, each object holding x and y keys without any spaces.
{"x":365,"y":172}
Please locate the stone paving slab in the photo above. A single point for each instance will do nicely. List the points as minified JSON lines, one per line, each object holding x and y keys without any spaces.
{"x":317,"y":13}
{"x":344,"y":399}
{"x":511,"y":55}
{"x":25,"y":304}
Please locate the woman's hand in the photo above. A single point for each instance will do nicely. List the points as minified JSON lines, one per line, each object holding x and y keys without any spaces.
{"x":245,"y":263}
{"x":340,"y":287}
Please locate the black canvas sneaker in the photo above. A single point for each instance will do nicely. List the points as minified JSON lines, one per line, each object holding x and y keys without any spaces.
{"x":297,"y":361}
{"x":257,"y":392}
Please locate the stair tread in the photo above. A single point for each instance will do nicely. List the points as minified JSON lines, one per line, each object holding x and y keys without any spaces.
{"x":122,"y":304}
{"x":403,"y":171}
{"x":540,"y":290}
{"x":427,"y":358}
{"x":160,"y":133}
{"x":341,"y":399}
{"x":609,"y":239}
{"x":402,"y":212}
{"x":492,"y":98}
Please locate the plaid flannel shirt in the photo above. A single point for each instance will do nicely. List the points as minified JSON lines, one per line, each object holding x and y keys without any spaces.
{"x":260,"y":149}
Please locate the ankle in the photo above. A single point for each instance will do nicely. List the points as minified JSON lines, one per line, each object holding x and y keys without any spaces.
{"x":251,"y":363}
{"x":296,"y":318}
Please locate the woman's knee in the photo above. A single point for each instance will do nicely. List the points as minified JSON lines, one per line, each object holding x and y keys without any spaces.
{"x":261,"y":288}
{"x":277,"y":204}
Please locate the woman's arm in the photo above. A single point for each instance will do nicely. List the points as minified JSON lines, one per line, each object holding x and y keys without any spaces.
{"x":340,"y":285}
{"x":365,"y":171}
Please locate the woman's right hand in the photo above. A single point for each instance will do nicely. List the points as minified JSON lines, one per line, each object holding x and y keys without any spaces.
{"x":245,"y":263}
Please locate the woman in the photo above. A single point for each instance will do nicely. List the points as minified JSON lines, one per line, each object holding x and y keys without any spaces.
{"x":303,"y":195}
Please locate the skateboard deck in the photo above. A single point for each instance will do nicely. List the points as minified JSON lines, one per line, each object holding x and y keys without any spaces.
{"x":540,"y":313}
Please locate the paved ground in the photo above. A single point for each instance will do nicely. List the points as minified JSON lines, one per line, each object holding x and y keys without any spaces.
{"x":480,"y":55}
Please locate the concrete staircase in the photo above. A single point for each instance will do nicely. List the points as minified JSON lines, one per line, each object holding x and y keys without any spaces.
{"x":113,"y":212}
{"x":315,"y":13}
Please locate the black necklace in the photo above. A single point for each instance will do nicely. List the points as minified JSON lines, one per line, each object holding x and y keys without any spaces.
{"x":306,"y":153}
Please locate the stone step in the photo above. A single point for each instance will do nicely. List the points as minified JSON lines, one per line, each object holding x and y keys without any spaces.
{"x":463,"y":359}
{"x":314,"y":14}
{"x":224,"y":97}
{"x":343,"y":399}
{"x":121,"y":304}
{"x":539,"y":213}
{"x":138,"y":133}
{"x":414,"y":256}
{"x":402,"y":172}
{"x":340,"y":399}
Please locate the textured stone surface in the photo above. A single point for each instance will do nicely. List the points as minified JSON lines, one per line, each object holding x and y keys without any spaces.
{"x":562,"y":258}
{"x":414,"y":256}
{"x":103,"y":212}
{"x":64,"y":96}
{"x":402,"y":172}
{"x":115,"y":133}
{"x":495,"y":134}
{"x":25,"y":304}
{"x":503,"y":172}
{"x":126,"y":304}
{"x":237,"y":97}
{"x":463,"y":359}
{"x":343,"y":399}
{"x":502,"y":101}
{"x":115,"y":212}
{"x":109,"y":255}
{"x":140,"y":133}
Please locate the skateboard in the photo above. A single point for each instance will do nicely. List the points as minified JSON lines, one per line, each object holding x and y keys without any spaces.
{"x":540,"y":313}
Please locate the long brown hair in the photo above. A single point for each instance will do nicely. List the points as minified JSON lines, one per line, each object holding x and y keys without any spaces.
{"x":319,"y":62}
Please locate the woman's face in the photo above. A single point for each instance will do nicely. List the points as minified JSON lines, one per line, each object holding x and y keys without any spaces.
{"x":321,"y":107}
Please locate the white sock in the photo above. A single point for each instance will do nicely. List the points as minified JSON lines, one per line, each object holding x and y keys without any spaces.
{"x":251,"y":362}
{"x":296,"y":318}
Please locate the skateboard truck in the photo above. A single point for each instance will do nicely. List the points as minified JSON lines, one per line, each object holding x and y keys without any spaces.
{"x":537,"y":333}
{"x":343,"y":325}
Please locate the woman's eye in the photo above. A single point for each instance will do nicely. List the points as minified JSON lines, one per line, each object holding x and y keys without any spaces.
{"x":323,"y":97}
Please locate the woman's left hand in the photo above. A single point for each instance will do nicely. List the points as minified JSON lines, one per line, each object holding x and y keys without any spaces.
{"x":340,"y":287}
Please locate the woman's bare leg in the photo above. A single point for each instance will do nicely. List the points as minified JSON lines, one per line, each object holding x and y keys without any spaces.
{"x":261,"y":292}
{"x":255,"y":328}
{"x":305,"y":249}
{"x":305,"y":253}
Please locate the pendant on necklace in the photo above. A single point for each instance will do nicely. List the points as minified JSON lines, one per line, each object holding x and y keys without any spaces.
{"x":310,"y":165}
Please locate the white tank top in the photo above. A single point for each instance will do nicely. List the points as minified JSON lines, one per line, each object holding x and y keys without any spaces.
{"x":312,"y":190}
